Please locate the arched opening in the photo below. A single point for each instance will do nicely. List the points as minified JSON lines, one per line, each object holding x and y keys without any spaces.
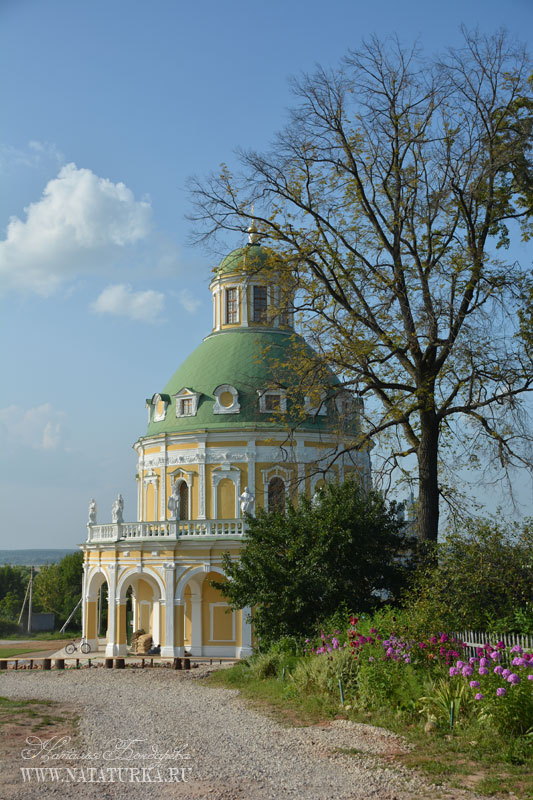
{"x":226,"y":499}
{"x":96,"y":609}
{"x":276,"y":495}
{"x":184,"y":500}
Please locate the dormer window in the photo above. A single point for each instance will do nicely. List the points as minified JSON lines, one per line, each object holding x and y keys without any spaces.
{"x":232,"y":305}
{"x":272,"y":401}
{"x":259,"y":303}
{"x":315,"y":403}
{"x":160,"y":403}
{"x":226,"y":400}
{"x":187,"y":403}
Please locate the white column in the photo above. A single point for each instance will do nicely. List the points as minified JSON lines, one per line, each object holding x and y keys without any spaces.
{"x":196,"y":624}
{"x":112,"y":646}
{"x":156,"y":622}
{"x":300,"y":458}
{"x":163,"y":494}
{"x":250,"y":457}
{"x":84,"y":601}
{"x":246,"y":634}
{"x":167,"y":647}
{"x":201,"y":482}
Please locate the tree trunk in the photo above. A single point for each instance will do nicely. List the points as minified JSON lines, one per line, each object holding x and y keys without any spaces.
{"x":428,"y":486}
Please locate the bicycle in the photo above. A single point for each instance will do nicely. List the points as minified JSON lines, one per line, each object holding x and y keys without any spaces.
{"x":84,"y":646}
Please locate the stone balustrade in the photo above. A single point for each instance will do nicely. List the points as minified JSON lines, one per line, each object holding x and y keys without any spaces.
{"x":173,"y":529}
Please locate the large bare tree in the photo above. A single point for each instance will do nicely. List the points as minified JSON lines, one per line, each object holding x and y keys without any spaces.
{"x":391,"y":196}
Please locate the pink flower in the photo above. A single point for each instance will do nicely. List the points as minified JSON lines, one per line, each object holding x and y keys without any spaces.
{"x":495,"y":655}
{"x":474,"y":684}
{"x":484,"y":662}
{"x":483,"y":671}
{"x":460,"y":664}
{"x":454,"y":671}
{"x":467,"y":671}
{"x":513,"y":678}
{"x":501,"y":691}
{"x":498,"y":670}
{"x":479,"y":696}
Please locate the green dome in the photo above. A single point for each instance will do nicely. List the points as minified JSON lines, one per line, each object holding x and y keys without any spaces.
{"x":252,"y":258}
{"x":243,"y":358}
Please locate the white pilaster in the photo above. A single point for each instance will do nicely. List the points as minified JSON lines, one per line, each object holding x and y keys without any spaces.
{"x":246,"y":633}
{"x":167,"y":648}
{"x":196,"y":625}
{"x":112,"y":646}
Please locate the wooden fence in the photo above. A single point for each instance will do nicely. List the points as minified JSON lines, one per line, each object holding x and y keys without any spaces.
{"x":475,"y":639}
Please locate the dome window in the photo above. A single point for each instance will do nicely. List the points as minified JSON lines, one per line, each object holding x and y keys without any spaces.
{"x":232,"y":305}
{"x":226,"y":400}
{"x":272,"y":400}
{"x":186,"y":403}
{"x":259,"y":303}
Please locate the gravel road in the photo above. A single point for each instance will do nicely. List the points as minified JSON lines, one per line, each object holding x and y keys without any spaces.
{"x":194,"y":741}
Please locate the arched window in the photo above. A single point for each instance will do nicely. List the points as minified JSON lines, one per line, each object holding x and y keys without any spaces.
{"x":184,"y":500}
{"x":276,"y":495}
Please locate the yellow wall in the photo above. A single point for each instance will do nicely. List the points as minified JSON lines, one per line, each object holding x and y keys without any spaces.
{"x":226,"y":505}
{"x":91,"y":611}
{"x":150,"y":503}
{"x":222,"y":622}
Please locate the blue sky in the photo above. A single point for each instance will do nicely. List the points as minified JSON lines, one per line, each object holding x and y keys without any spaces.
{"x":107,"y":108}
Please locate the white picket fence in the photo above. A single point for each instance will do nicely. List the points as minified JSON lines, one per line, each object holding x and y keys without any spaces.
{"x":475,"y":639}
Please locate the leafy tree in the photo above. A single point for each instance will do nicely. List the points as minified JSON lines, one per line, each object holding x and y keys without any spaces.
{"x":58,"y":586}
{"x":298,"y":568}
{"x":13,"y":583}
{"x":481,"y":581}
{"x":386,"y":198}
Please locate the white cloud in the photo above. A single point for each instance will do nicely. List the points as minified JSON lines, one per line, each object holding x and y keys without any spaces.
{"x":123,"y":301}
{"x":39,"y":428}
{"x":80,"y":225}
{"x":33,"y":156}
{"x":188,"y":301}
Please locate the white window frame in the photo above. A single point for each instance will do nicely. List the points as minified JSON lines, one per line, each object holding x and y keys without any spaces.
{"x":321,"y":410}
{"x":234,"y":408}
{"x":186,"y":394}
{"x":155,"y":400}
{"x":237,"y":294}
{"x":280,"y":393}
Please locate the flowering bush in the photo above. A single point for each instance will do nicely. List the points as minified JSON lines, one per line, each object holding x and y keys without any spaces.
{"x":505,"y":695}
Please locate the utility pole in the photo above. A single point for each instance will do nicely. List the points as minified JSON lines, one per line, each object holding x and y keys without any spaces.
{"x":30,"y":598}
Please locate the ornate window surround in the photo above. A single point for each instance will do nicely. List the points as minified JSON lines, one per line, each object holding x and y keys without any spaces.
{"x":321,"y":409}
{"x":275,"y":472}
{"x":234,"y":408}
{"x":186,"y":476}
{"x":276,"y":392}
{"x":234,"y":474}
{"x":156,"y":399}
{"x":187,"y":394}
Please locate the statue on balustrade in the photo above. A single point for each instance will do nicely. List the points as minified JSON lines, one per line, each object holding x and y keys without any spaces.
{"x":247,"y":502}
{"x":174,"y":502}
{"x":92,"y":512}
{"x":117,"y":512}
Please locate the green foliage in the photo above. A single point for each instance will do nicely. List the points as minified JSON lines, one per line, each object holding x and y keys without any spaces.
{"x":58,"y":587}
{"x":481,"y":580}
{"x":298,"y":568}
{"x":13,"y":582}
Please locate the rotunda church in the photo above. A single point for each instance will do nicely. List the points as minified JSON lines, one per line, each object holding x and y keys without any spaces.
{"x":217,"y":445}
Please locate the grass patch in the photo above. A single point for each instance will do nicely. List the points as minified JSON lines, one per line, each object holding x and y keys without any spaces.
{"x":38,"y":714}
{"x":474,"y":757}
